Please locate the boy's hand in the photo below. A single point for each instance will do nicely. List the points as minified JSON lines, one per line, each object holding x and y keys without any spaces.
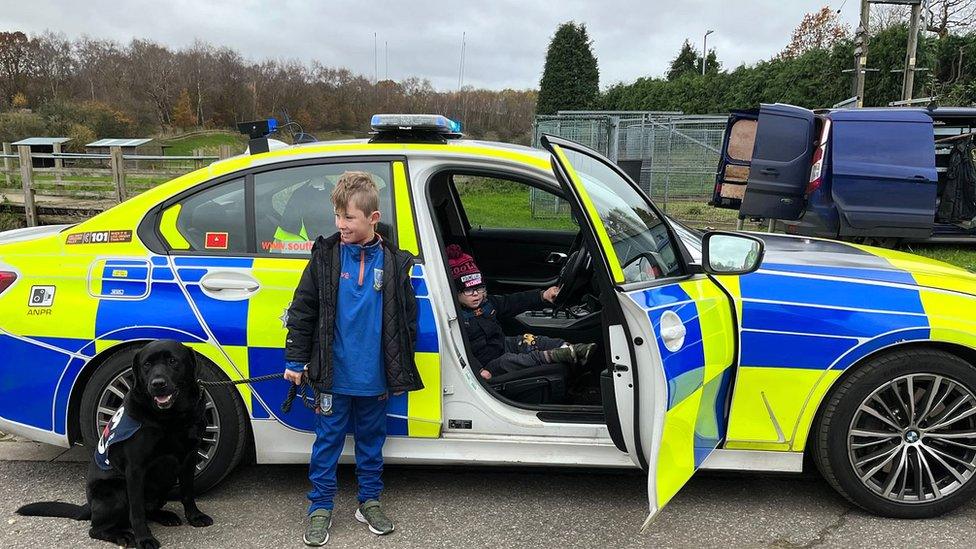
{"x":485,"y":374}
{"x":294,"y":377}
{"x":550,"y":293}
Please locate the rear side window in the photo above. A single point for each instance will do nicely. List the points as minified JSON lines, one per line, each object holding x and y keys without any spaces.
{"x":892,"y":143}
{"x":214,"y":219}
{"x":293,"y":206}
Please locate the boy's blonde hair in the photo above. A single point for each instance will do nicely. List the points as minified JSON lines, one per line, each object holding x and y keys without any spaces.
{"x":358,"y":189}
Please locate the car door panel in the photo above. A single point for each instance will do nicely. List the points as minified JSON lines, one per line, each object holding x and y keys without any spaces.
{"x":682,"y":330}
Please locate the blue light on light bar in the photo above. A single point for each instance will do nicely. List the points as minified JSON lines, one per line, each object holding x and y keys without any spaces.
{"x":424,"y":122}
{"x":272,"y":125}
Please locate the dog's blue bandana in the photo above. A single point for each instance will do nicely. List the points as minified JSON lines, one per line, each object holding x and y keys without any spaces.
{"x":119,"y":428}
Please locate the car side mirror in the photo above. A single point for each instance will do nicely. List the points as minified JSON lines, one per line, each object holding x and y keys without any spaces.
{"x":726,"y":253}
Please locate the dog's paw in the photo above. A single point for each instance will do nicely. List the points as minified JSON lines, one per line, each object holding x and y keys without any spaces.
{"x":148,"y":543}
{"x":165,"y":518}
{"x":199,"y":520}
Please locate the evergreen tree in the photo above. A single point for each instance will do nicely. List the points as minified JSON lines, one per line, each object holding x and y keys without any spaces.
{"x":571,"y":78}
{"x":686,"y":62}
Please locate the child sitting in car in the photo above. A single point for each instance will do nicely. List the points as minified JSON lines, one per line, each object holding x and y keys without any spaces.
{"x":480,"y":313}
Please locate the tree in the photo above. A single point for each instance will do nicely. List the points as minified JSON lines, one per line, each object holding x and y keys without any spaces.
{"x":19,"y":101}
{"x":946,"y":15}
{"x":686,"y":62}
{"x":570,"y":78}
{"x":819,"y":30}
{"x":183,"y":115}
{"x":712,"y":65}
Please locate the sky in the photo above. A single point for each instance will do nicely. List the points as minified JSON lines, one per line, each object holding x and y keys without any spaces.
{"x":504,"y":40}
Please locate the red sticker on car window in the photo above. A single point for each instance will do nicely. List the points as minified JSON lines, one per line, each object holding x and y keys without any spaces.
{"x":216,"y":241}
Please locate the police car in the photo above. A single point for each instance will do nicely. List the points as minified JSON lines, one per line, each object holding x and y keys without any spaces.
{"x":715,"y":351}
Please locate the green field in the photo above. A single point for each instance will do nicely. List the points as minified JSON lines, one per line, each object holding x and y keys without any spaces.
{"x":210,"y":143}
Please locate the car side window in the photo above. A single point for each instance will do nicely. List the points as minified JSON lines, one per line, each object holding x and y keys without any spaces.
{"x":293,"y":205}
{"x":496,"y":202}
{"x":212,"y":220}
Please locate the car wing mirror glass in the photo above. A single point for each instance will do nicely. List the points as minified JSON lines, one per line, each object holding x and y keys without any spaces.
{"x":725,"y":253}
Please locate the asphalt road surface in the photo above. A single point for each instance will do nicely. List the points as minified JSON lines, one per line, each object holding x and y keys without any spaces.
{"x":264,"y":506}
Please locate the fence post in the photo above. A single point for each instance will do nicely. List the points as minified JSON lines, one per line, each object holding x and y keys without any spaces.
{"x":26,"y":180}
{"x":118,"y":173}
{"x":58,"y":163}
{"x":224,"y":151}
{"x":6,"y":162}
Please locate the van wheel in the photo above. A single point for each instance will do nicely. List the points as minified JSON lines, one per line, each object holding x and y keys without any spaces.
{"x":898,"y":436}
{"x":223,"y":441}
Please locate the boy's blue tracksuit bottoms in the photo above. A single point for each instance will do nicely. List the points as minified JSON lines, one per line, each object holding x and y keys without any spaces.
{"x":367,"y":416}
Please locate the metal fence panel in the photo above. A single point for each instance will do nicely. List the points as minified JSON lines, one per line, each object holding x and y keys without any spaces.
{"x":678,"y":156}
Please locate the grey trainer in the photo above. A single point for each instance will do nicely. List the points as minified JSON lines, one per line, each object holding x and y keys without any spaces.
{"x":371,"y":514}
{"x":317,"y":533}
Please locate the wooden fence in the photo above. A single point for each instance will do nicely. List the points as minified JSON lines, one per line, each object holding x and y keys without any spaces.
{"x":84,"y":184}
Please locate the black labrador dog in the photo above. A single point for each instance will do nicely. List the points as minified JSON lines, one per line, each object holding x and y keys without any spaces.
{"x":149,"y":445}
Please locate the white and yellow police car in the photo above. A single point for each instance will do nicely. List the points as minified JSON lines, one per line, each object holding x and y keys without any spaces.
{"x":714,"y":351}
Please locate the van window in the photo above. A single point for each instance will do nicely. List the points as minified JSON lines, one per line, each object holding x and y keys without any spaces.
{"x":895,"y":143}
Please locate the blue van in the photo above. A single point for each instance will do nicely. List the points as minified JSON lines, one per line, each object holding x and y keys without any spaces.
{"x":874,"y":174}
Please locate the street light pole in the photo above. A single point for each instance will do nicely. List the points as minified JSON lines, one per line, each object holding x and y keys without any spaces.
{"x":705,"y":50}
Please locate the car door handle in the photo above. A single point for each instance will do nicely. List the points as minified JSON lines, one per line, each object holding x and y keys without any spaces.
{"x":769,"y":171}
{"x":229,"y":284}
{"x":556,"y":258}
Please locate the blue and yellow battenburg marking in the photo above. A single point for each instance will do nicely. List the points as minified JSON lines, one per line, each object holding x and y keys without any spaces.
{"x":129,"y":294}
{"x":698,"y":374}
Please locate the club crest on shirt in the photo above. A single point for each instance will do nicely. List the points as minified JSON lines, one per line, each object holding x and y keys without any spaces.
{"x":377,"y":279}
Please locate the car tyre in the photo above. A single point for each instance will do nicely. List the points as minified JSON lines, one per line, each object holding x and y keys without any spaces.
{"x":224,"y":441}
{"x":851,"y":441}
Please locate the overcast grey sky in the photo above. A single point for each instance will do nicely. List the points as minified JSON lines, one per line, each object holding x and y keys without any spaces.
{"x":506,"y":39}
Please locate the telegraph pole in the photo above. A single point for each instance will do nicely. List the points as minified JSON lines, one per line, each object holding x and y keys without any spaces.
{"x":908,"y":83}
{"x":861,"y":52}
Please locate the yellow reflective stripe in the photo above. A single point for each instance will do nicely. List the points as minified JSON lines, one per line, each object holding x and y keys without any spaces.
{"x":676,"y":459}
{"x":601,"y":229}
{"x":793,"y":396}
{"x":167,"y":227}
{"x":406,"y":231}
{"x":715,"y":321}
{"x":424,"y":406}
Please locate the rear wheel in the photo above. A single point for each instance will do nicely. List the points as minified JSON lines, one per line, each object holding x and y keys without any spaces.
{"x":225,"y":436}
{"x":898,"y":436}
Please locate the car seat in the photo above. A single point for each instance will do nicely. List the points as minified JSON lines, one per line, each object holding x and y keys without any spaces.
{"x":543,"y":384}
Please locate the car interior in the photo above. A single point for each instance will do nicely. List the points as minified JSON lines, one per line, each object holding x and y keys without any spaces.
{"x":515,"y":259}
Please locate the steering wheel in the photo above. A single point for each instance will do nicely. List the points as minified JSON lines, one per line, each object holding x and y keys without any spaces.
{"x":574,"y":274}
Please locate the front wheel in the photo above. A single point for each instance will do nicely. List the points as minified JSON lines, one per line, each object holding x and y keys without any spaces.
{"x":223,"y":441}
{"x":898,"y":436}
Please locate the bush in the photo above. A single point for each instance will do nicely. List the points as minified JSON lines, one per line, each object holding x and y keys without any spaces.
{"x":15,"y":126}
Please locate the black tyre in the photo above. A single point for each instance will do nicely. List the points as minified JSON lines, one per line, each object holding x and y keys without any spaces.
{"x":225,"y":438}
{"x":898,"y":436}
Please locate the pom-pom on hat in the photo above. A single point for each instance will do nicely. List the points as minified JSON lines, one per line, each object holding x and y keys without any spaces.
{"x":464,"y":272}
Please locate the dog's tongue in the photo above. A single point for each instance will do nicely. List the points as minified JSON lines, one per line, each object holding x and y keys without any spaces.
{"x":163,"y":399}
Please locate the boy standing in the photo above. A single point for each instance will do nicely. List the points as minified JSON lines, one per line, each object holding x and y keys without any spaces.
{"x":352,"y":331}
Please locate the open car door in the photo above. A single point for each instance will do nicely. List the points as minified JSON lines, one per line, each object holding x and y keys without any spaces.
{"x":781,"y":160}
{"x":670,"y":331}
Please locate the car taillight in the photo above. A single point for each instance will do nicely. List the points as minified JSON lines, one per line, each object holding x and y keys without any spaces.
{"x":816,"y":170}
{"x":6,"y":279}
